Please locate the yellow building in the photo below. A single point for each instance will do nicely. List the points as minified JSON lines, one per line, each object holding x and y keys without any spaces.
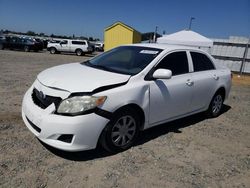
{"x":118,"y":34}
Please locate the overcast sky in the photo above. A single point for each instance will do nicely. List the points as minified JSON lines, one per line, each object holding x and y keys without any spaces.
{"x":89,"y":18}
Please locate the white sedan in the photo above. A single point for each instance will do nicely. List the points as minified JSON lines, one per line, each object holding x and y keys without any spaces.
{"x":110,"y":98}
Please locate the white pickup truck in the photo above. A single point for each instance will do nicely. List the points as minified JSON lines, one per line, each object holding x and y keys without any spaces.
{"x":80,"y":47}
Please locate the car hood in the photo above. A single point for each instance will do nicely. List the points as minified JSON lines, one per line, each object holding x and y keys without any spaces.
{"x":76,"y":77}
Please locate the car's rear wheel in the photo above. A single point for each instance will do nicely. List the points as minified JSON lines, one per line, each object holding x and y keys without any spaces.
{"x":1,"y":47}
{"x":52,"y":50}
{"x":26,"y":48}
{"x":121,"y":132}
{"x":216,"y":105}
{"x":79,"y":52}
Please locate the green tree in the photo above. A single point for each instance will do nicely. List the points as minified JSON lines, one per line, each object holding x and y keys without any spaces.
{"x":31,"y":33}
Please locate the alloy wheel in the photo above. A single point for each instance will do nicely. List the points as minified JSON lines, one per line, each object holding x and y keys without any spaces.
{"x":217,"y":104}
{"x":123,"y":131}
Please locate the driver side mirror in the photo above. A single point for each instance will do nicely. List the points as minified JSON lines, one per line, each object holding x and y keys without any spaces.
{"x":162,"y":74}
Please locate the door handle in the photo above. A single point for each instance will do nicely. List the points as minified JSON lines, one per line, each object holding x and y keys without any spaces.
{"x":216,"y":77}
{"x":189,"y":82}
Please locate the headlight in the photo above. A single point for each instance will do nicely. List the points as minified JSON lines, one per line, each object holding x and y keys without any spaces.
{"x":80,"y":104}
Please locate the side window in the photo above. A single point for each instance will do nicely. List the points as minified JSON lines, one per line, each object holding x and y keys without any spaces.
{"x":177,"y":62}
{"x":64,"y":42}
{"x":79,"y":42}
{"x":201,"y":62}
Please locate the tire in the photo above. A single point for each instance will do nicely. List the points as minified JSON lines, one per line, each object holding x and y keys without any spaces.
{"x":52,"y":50}
{"x":1,"y":47}
{"x":26,"y":48}
{"x":216,"y":105}
{"x":121,"y":132}
{"x":78,"y":52}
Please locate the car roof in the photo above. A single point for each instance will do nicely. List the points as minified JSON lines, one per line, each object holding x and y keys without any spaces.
{"x":167,"y":47}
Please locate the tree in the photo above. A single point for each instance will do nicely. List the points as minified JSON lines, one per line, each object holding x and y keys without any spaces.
{"x":41,"y":34}
{"x":31,"y":33}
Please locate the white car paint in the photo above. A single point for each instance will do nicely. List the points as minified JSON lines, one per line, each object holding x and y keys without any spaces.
{"x":161,"y":100}
{"x":61,"y":77}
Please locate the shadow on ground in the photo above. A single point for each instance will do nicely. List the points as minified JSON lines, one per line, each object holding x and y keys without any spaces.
{"x":144,"y":137}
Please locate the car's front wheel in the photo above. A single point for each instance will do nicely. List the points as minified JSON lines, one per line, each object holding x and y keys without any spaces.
{"x":121,"y":132}
{"x":216,"y":105}
{"x":52,"y":50}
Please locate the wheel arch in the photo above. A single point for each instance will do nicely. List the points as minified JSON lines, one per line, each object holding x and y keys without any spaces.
{"x":78,"y":49}
{"x":52,"y":47}
{"x":221,"y":90}
{"x":137,"y":109}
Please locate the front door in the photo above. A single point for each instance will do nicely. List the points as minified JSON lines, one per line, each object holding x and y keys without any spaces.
{"x":170,"y":98}
{"x":64,"y":46}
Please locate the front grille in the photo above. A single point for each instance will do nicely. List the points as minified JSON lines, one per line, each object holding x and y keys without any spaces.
{"x":33,"y":125}
{"x":43,"y":101}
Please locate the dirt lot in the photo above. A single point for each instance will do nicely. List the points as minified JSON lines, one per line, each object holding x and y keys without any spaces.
{"x":191,"y":152}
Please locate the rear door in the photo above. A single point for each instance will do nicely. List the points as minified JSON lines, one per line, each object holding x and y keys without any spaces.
{"x":205,"y":78}
{"x":170,"y":98}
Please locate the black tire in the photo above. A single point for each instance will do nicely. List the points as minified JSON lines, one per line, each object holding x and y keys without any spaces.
{"x":114,"y":139}
{"x":1,"y":47}
{"x":79,"y":52}
{"x":216,"y":105}
{"x":53,"y":50}
{"x":26,"y":48}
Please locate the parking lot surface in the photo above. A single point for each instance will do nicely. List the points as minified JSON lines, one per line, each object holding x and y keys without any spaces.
{"x":191,"y":152}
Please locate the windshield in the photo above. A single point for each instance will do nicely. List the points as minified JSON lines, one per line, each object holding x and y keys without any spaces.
{"x":125,"y":59}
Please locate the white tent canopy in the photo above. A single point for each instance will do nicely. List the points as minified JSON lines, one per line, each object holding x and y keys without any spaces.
{"x":187,"y":38}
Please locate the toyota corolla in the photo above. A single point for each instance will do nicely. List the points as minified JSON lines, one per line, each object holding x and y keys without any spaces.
{"x":107,"y":100}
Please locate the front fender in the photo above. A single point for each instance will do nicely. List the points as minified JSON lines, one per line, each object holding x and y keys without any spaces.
{"x":125,"y":95}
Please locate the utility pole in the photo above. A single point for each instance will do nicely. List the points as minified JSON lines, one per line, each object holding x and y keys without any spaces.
{"x":190,"y":23}
{"x":155,"y":34}
{"x":244,"y":57}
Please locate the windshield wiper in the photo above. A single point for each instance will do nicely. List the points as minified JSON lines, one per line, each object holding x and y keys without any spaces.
{"x":102,"y":67}
{"x":97,"y":66}
{"x":86,"y":63}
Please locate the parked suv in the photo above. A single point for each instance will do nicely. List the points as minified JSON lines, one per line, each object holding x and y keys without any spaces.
{"x":79,"y":47}
{"x":21,"y":43}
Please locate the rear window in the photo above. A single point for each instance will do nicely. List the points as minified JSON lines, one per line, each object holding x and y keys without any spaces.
{"x":64,"y":42}
{"x":201,"y":62}
{"x":79,"y":42}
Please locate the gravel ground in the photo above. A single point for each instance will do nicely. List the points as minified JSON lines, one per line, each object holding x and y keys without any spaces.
{"x":191,"y":152}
